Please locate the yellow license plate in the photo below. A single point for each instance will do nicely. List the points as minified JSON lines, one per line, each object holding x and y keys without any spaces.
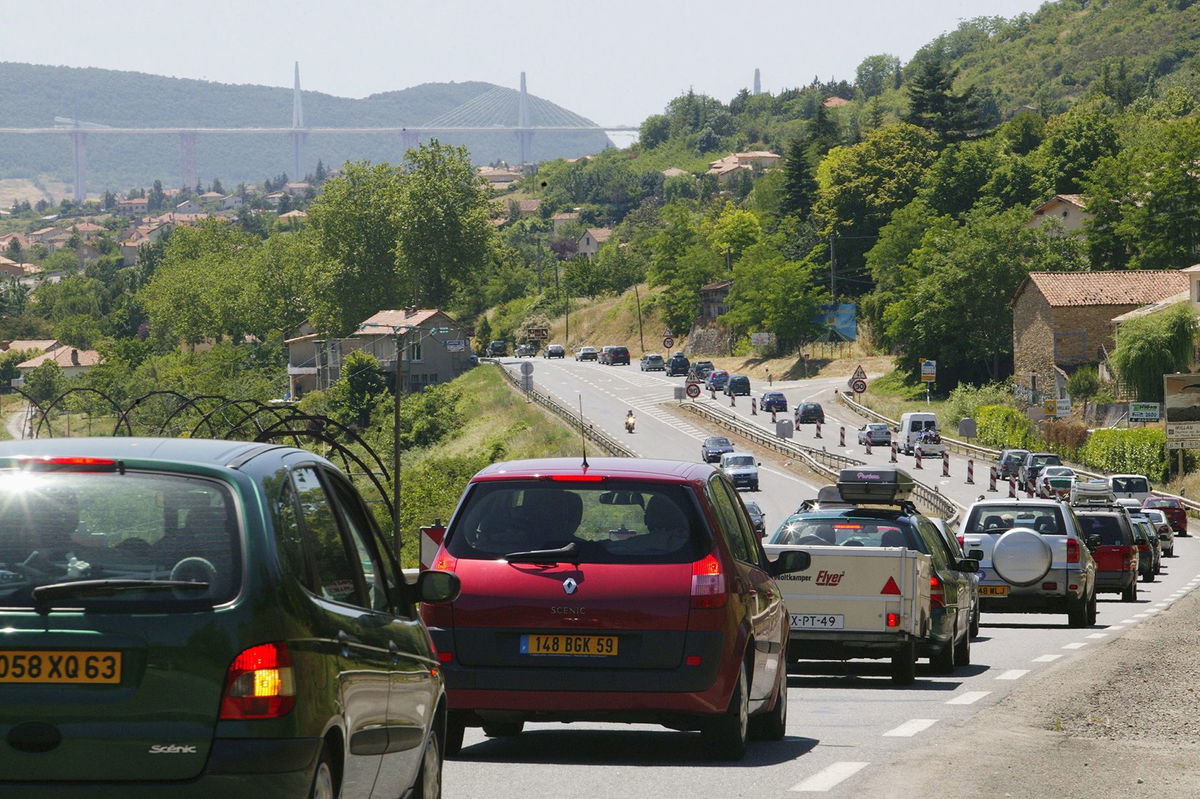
{"x":59,"y":667}
{"x":574,"y":645}
{"x":993,"y":590}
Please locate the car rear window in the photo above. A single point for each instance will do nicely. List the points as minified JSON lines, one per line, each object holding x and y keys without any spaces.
{"x":1109,"y":528}
{"x":619,"y":351}
{"x":1043,"y":460}
{"x":1130,"y":484}
{"x":998,"y":518}
{"x":1161,"y":503}
{"x":608,"y":522}
{"x":70,"y":527}
{"x":825,"y":530}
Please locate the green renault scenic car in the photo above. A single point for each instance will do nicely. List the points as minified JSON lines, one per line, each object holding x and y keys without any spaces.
{"x":193,"y":618}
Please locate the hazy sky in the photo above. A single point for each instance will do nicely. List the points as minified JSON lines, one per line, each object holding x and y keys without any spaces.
{"x":615,"y":62}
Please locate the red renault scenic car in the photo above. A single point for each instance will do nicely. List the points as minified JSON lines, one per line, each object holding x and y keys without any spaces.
{"x":626,"y":590}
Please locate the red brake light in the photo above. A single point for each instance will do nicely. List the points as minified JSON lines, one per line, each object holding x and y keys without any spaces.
{"x":76,"y":463}
{"x":708,"y":583}
{"x":847,"y":527}
{"x":893,"y":620}
{"x":574,"y":478}
{"x":445,"y":657}
{"x":937,"y":594}
{"x":1072,"y":550}
{"x":259,"y":683}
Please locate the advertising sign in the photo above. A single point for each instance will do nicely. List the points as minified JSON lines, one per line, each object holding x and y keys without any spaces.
{"x":456,"y":345}
{"x":1056,"y":407}
{"x":928,"y":371}
{"x":840,"y":318}
{"x":1182,"y":395}
{"x":1144,"y":411}
{"x":761,"y":339}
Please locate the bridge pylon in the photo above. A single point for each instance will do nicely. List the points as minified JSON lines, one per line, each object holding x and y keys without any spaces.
{"x":187,"y":158}
{"x":79,"y":158}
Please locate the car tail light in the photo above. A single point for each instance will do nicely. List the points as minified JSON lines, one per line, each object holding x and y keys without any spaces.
{"x":445,"y":657}
{"x":962,"y":541}
{"x":708,"y":583}
{"x":937,"y":592}
{"x":893,"y":620}
{"x":71,"y":464}
{"x":1072,"y":550}
{"x":259,"y":683}
{"x":694,"y":660}
{"x":574,"y":478}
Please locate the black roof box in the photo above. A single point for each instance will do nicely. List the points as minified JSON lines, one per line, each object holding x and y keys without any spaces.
{"x":879,"y":485}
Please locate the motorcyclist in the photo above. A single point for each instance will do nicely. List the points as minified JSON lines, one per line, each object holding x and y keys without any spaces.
{"x":630,"y":421}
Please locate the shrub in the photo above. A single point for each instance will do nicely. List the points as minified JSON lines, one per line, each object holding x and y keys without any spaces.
{"x":1005,"y":427}
{"x":1138,"y":451}
{"x":965,"y":401}
{"x":1066,"y":438}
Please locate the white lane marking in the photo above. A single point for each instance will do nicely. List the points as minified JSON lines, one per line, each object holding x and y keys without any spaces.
{"x":968,"y":698}
{"x":1114,"y":627}
{"x":1012,"y":674}
{"x":829,"y":777}
{"x":1046,"y":658}
{"x":1098,"y":636}
{"x":1076,"y":645}
{"x":1142,"y":616}
{"x":910,"y":728}
{"x":1153,"y":612}
{"x":1130,"y":620}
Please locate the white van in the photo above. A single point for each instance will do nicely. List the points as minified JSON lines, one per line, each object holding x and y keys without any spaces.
{"x":1130,"y":486}
{"x":914,"y":427}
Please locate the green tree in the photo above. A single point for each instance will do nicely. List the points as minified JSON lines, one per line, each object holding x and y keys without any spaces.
{"x":1074,"y":142}
{"x":799,"y":183}
{"x":771,"y":294}
{"x":359,"y":389}
{"x":1154,"y":345}
{"x":441,"y":219}
{"x":935,"y":106}
{"x":356,"y":225}
{"x":44,"y":383}
{"x":732,"y":231}
{"x":875,"y":73}
{"x":1083,"y":384}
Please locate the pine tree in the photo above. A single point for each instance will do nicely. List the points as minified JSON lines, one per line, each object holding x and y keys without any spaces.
{"x":933,"y":105}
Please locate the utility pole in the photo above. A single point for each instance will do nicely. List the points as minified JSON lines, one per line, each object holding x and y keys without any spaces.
{"x":832,"y":268}
{"x":637,"y":298}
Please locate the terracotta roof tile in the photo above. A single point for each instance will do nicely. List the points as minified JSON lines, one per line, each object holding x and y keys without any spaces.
{"x":1122,"y":287}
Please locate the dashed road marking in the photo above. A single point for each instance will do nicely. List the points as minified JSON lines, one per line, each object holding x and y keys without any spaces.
{"x":1114,"y":627}
{"x":910,"y":728}
{"x":1098,"y":636}
{"x":1076,"y":645}
{"x":1130,"y":620}
{"x":830,"y":776}
{"x":1012,"y":674}
{"x":1046,"y":658}
{"x":968,"y":698}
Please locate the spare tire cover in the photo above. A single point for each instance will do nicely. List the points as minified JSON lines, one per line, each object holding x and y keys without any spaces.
{"x":1021,"y":556}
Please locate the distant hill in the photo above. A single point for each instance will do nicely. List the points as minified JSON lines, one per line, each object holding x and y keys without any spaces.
{"x":1050,"y":59}
{"x":33,"y":95}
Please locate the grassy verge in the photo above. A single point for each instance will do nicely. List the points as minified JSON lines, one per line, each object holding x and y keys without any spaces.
{"x":891,"y":395}
{"x":498,"y":424}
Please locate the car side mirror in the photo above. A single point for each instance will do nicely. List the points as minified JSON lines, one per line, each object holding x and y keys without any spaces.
{"x":438,"y":587}
{"x":968,"y":565}
{"x":791,"y":560}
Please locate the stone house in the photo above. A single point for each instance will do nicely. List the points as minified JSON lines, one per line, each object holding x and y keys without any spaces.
{"x":133,"y":206}
{"x":73,"y":361}
{"x":1068,"y":209}
{"x":1063,"y":320}
{"x":562,"y":219}
{"x":190,"y":206}
{"x":712,"y":299}
{"x":592,"y":240}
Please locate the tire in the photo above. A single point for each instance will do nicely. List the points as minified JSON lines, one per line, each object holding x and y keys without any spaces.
{"x":1091,"y":611}
{"x":904,"y":665}
{"x":1148,"y":577}
{"x":1077,"y":613}
{"x":429,"y":779}
{"x":454,"y":736}
{"x":1129,"y":593}
{"x":962,"y":651}
{"x":943,"y":661}
{"x":324,"y":784}
{"x":772,"y":725}
{"x":503,"y":729}
{"x":724,"y":737}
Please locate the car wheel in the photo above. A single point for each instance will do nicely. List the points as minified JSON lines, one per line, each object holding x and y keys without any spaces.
{"x":429,"y":780}
{"x":904,"y":665}
{"x":725,"y":737}
{"x":962,"y":651}
{"x":1148,"y":577}
{"x":455,"y":728}
{"x":1091,"y":612}
{"x":1077,"y":613}
{"x":772,"y":725}
{"x":503,"y":729}
{"x":943,"y":661}
{"x":324,"y":785}
{"x":1129,"y":592}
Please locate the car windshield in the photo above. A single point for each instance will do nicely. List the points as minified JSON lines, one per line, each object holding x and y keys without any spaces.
{"x":717,"y":442}
{"x":138,"y":531}
{"x":819,"y":529}
{"x":740,"y":460}
{"x":1106,"y":526}
{"x":1131,"y":485}
{"x":605,"y":522}
{"x":1044,"y":519}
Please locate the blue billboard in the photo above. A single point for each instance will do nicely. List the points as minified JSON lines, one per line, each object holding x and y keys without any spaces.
{"x":841,"y":320}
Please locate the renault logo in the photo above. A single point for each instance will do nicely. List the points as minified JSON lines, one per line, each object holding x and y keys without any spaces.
{"x":569,"y":585}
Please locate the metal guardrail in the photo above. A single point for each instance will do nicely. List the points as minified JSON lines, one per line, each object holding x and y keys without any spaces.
{"x":819,"y":460}
{"x":976,"y":449}
{"x":599,"y":437}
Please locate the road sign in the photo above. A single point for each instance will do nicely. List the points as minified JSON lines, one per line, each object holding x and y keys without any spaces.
{"x":456,"y":345}
{"x":693,"y":390}
{"x":1193,"y":443}
{"x":526,"y":368}
{"x":859,"y":374}
{"x":858,"y":386}
{"x":678,"y":392}
{"x":537,"y":333}
{"x":760,"y":339}
{"x":1180,"y":430}
{"x":967,"y":428}
{"x":668,"y":342}
{"x":1144,"y":411}
{"x":928,"y":371}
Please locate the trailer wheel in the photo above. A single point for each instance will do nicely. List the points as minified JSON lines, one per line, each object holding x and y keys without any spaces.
{"x":904,"y":664}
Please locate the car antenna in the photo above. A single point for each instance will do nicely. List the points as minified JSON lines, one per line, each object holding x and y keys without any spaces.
{"x":582,"y":434}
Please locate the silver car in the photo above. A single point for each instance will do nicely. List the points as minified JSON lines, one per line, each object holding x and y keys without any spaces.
{"x":1162,"y":525}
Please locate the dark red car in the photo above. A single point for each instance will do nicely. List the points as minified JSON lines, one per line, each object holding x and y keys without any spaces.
{"x":1109,"y":534}
{"x":1173,"y":509}
{"x":626,"y":590}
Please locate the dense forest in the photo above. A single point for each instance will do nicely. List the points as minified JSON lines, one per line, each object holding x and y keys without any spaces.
{"x":32,"y":96}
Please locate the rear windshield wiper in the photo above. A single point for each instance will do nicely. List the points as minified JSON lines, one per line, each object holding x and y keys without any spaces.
{"x":86,"y":588}
{"x":566,"y":553}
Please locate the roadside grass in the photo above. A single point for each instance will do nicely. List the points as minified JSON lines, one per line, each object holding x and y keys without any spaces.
{"x":892,"y":396}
